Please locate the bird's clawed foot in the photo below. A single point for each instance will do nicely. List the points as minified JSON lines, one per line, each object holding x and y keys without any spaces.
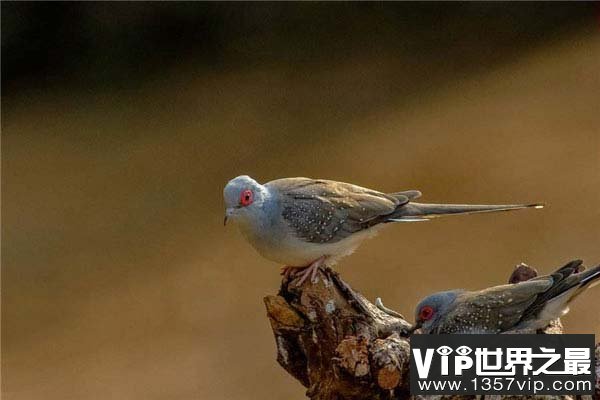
{"x":288,"y":272}
{"x":304,"y":272}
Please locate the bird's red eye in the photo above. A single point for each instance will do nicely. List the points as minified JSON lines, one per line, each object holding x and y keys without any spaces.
{"x":246,"y":197}
{"x":426,"y":313}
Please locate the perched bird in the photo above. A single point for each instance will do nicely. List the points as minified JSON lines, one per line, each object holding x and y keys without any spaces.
{"x":306,"y":223}
{"x":527,"y":305}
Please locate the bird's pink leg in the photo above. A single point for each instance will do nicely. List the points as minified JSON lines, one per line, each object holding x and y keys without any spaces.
{"x":311,"y":270}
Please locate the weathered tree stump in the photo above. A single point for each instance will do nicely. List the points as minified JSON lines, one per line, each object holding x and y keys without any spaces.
{"x":336,"y":343}
{"x":341,"y":346}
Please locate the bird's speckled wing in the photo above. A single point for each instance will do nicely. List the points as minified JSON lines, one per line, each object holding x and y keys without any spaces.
{"x":496,"y":309}
{"x":322,"y":211}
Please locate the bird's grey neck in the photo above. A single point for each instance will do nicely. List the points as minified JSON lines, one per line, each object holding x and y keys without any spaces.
{"x":263,"y":214}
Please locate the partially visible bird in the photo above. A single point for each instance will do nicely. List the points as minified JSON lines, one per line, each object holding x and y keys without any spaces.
{"x":306,"y":223}
{"x":527,"y":305}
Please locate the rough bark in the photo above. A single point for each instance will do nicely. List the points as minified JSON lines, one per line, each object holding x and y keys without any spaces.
{"x":341,"y":346}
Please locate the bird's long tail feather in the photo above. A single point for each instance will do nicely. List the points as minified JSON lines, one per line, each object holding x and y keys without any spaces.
{"x":422,"y":211}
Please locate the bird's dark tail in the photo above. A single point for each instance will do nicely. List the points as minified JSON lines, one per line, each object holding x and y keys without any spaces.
{"x":422,"y":211}
{"x":574,"y":280}
{"x":590,"y":277}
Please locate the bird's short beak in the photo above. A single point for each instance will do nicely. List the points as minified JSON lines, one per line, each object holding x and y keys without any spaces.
{"x":228,"y":213}
{"x":413,"y":328}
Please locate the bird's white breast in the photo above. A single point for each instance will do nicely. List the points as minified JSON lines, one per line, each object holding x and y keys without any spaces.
{"x":286,"y":248}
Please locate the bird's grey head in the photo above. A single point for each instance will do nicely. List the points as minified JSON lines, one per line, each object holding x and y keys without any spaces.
{"x":432,"y":309}
{"x":243,"y":198}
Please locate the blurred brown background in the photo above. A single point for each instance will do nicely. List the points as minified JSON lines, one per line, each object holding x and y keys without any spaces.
{"x":121,"y":123}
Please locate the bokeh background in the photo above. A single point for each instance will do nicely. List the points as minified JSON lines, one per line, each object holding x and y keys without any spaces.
{"x":121,"y":123}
